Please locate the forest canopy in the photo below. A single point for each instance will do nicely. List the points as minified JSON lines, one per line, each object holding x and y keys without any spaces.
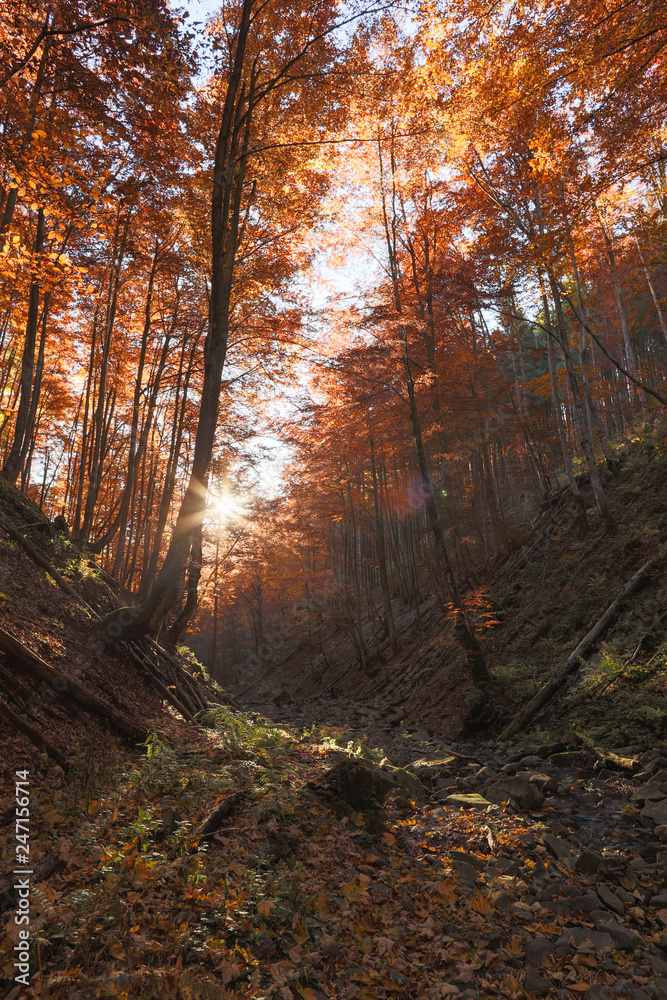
{"x":309,"y":309}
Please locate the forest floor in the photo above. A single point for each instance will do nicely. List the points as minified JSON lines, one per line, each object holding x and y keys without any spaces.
{"x":543,"y":875}
{"x":222,"y":859}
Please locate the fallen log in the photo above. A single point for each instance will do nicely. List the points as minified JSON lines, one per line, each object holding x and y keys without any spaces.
{"x":35,"y":737}
{"x":573,"y":662}
{"x":212,"y":823}
{"x":157,"y":682}
{"x":34,"y":665}
{"x":42,"y":870}
{"x":42,"y":561}
{"x":196,"y":684}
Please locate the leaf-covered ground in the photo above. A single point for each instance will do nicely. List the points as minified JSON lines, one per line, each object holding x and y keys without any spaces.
{"x":299,"y":895}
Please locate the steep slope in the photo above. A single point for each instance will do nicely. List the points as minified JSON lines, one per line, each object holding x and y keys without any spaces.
{"x":548,"y":594}
{"x":61,"y":682}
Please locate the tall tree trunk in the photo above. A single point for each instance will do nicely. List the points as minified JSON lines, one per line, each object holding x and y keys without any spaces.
{"x":593,"y":471}
{"x":656,"y":300}
{"x":97,"y":430}
{"x":580,"y":509}
{"x":229,"y":172}
{"x":382,"y":556}
{"x":22,"y":431}
{"x":177,"y":430}
{"x":463,"y":632}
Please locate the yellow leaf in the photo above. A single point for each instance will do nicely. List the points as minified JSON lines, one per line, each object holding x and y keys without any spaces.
{"x":357,"y":818}
{"x":389,"y":839}
{"x":480,"y":904}
{"x":264,"y":907}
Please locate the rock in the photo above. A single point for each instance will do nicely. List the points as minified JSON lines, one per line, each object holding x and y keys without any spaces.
{"x":544,"y":782}
{"x":560,"y":848}
{"x":625,"y":896}
{"x":630,"y":991}
{"x":500,"y":900}
{"x":507,"y":866}
{"x":525,"y":794}
{"x":624,"y":938}
{"x":535,"y":983}
{"x":589,"y":863}
{"x":532,"y":760}
{"x":563,"y":758}
{"x":497,"y":940}
{"x":419,"y":735}
{"x":661,"y":833}
{"x":470,"y":800}
{"x":465,"y":873}
{"x":659,"y":900}
{"x":443,"y":793}
{"x":574,"y":938}
{"x":598,"y":992}
{"x":648,"y":793}
{"x":610,"y":899}
{"x":657,"y":964}
{"x":586,"y":903}
{"x":656,"y":812}
{"x":536,"y":948}
{"x":486,"y":774}
{"x":558,"y":888}
{"x":600,"y":914}
{"x":470,"y":859}
{"x":606,"y":775}
{"x":409,"y":782}
{"x":426,"y":769}
{"x":362,"y":786}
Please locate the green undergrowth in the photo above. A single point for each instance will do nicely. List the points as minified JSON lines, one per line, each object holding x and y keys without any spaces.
{"x":238,"y":731}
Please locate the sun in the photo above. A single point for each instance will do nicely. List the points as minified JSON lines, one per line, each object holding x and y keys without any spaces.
{"x":224,"y":507}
